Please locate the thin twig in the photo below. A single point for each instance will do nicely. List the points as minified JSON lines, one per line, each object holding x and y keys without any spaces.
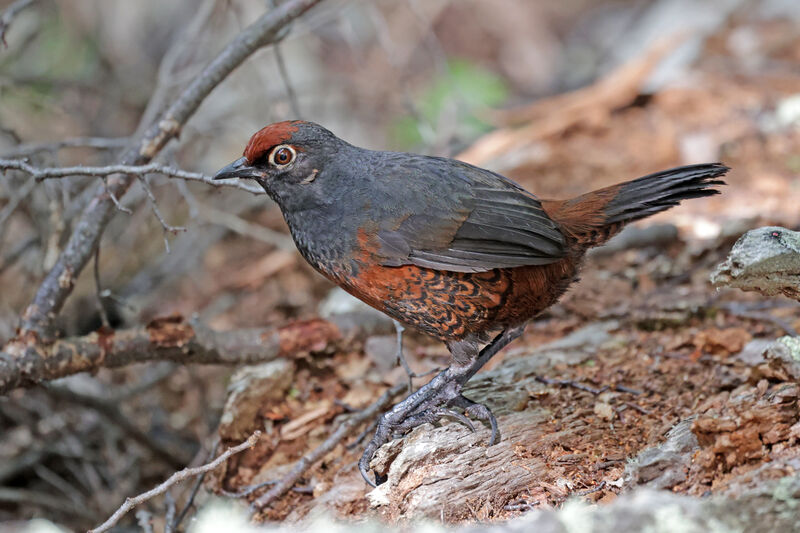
{"x":157,"y":212}
{"x":43,"y":173}
{"x":766,"y":317}
{"x":623,"y":388}
{"x":12,"y":205}
{"x":573,"y":384}
{"x":241,"y":226}
{"x":17,"y":251}
{"x":113,"y":197}
{"x":98,"y":288}
{"x":638,"y":408}
{"x":305,"y":463}
{"x":98,"y":143}
{"x":247,"y":491}
{"x":42,"y":499}
{"x":197,"y":484}
{"x":290,"y":92}
{"x":8,"y":16}
{"x":594,"y":489}
{"x":177,"y":477}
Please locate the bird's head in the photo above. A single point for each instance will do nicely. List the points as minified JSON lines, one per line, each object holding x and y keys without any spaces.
{"x":284,"y":156}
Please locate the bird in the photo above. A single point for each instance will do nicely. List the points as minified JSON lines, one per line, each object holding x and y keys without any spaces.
{"x":455,"y":251}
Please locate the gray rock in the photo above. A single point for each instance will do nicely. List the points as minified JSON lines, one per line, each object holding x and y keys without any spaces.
{"x":766,"y":260}
{"x":665,"y":465}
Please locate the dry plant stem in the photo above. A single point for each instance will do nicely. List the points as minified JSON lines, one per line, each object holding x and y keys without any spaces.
{"x":303,"y":465}
{"x":57,"y":285}
{"x":44,"y":173}
{"x":573,"y":384}
{"x":193,"y":493}
{"x":290,"y":93}
{"x":177,"y":477}
{"x":23,"y":365}
{"x":591,"y":490}
{"x":157,"y":212}
{"x":12,"y":205}
{"x":8,"y":16}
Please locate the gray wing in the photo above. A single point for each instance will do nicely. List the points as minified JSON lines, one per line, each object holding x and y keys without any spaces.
{"x":470,"y":222}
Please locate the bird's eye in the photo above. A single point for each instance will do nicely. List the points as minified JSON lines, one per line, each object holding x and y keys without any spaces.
{"x":282,"y":155}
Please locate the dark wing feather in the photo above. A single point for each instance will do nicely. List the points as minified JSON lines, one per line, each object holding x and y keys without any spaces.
{"x":466,"y":220}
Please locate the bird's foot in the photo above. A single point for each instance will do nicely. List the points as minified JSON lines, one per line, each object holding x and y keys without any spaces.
{"x":430,"y":403}
{"x":478,"y":411}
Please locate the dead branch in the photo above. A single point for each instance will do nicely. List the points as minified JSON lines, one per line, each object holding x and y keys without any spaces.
{"x":98,"y":143}
{"x":140,"y":171}
{"x":241,"y":226}
{"x":8,"y":16}
{"x":168,"y":228}
{"x":25,"y":362}
{"x":114,"y":416}
{"x":12,"y":205}
{"x":177,"y":477}
{"x":58,"y":284}
{"x":343,"y":431}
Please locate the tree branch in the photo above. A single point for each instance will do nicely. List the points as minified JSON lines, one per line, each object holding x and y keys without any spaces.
{"x":45,"y":173}
{"x":98,"y":143}
{"x":8,"y":16}
{"x":58,"y":283}
{"x":177,"y":477}
{"x":25,"y":362}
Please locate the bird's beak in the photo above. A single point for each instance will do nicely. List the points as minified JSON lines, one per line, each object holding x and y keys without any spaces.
{"x":238,"y":169}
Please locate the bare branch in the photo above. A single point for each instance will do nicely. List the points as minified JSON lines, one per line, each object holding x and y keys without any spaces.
{"x":98,"y":143}
{"x":98,"y":288}
{"x":8,"y":16}
{"x":25,"y":362}
{"x":45,"y":173}
{"x":342,"y":432}
{"x":243,"y":227}
{"x":15,"y":201}
{"x":177,"y":477}
{"x":290,"y":92}
{"x":192,"y":494}
{"x":57,"y":285}
{"x":157,"y":212}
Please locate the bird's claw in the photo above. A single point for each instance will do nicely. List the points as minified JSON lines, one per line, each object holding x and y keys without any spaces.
{"x":478,"y":411}
{"x":427,"y":415}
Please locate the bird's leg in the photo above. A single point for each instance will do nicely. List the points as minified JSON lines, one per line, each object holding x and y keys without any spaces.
{"x":401,"y":359}
{"x":431,"y":401}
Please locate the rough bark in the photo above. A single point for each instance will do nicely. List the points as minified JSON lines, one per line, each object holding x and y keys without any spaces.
{"x":764,"y":508}
{"x":442,"y":471}
{"x":25,"y":362}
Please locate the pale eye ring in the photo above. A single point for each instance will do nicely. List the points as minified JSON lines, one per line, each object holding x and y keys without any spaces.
{"x":282,"y":156}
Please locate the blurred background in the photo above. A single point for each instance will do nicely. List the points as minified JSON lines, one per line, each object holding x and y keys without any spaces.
{"x":561,"y":96}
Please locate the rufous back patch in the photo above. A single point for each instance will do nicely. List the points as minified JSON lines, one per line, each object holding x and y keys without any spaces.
{"x":269,"y":136}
